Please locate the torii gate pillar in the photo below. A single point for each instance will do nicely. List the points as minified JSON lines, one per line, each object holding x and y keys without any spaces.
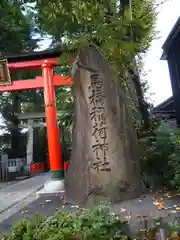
{"x":45,"y":60}
{"x":56,"y":184}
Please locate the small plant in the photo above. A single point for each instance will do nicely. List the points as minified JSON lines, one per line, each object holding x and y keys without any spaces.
{"x":97,"y":223}
{"x":175,"y":228}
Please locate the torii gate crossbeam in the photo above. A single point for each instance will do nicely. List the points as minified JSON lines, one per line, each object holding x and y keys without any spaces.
{"x":46,"y":61}
{"x":37,"y":83}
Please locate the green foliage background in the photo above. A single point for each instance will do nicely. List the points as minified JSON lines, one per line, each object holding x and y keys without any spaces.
{"x":160,"y":156}
{"x":120,"y":29}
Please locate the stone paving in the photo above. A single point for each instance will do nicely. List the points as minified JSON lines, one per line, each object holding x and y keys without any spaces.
{"x":15,"y":193}
{"x":148,"y":206}
{"x":44,"y":206}
{"x":143,"y":211}
{"x":6,"y":184}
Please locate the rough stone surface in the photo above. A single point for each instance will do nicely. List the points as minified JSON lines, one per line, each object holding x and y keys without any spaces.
{"x":104,"y":161}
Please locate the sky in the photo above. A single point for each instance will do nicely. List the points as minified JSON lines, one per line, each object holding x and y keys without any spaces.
{"x":157,"y":70}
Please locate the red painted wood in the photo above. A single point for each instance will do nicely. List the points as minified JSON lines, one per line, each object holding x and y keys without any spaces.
{"x":59,"y":80}
{"x":54,"y":146}
{"x":48,"y":82}
{"x":35,"y":84}
{"x":66,"y":165}
{"x":35,"y":63}
{"x":32,"y":64}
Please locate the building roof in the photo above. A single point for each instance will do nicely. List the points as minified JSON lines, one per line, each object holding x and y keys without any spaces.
{"x":165,"y":109}
{"x":175,"y":32}
{"x":163,"y":105}
{"x":36,"y":55}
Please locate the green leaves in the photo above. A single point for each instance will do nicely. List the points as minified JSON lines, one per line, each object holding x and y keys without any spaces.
{"x":105,"y":24}
{"x":16,"y":37}
{"x":160,"y":156}
{"x":97,"y":223}
{"x":15,"y":29}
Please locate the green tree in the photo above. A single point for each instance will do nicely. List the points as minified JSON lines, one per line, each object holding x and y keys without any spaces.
{"x":122,"y":30}
{"x":106,"y":24}
{"x":16,"y":28}
{"x":17,"y":36}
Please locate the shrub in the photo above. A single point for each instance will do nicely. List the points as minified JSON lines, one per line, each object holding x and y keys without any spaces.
{"x":160,"y":156}
{"x":91,"y":224}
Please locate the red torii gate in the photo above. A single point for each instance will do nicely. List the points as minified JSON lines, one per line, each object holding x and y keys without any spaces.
{"x":45,"y":60}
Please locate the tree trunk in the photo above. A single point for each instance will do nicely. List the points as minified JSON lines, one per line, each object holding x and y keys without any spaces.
{"x":104,"y":161}
{"x":140,"y":97}
{"x":15,"y":133}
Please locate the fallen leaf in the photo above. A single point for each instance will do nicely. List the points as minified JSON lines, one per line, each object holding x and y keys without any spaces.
{"x":173,"y":211}
{"x":74,"y":206}
{"x":158,"y":223}
{"x":127,"y":217}
{"x":164,"y":216}
{"x":141,"y":215}
{"x":159,"y":204}
{"x":122,"y":210}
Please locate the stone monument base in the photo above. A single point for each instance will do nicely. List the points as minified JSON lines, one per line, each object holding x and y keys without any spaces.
{"x":52,"y":186}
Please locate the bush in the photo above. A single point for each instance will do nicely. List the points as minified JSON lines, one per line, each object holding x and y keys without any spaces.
{"x":91,"y":224}
{"x":160,"y":156}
